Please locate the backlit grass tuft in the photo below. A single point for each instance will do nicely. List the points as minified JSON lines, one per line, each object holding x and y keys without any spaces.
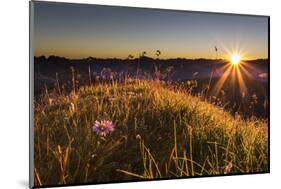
{"x":159,"y":132}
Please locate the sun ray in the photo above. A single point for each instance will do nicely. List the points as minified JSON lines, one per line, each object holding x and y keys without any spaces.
{"x":244,"y":70}
{"x":235,"y":72}
{"x":222,"y":80}
{"x":241,"y":82}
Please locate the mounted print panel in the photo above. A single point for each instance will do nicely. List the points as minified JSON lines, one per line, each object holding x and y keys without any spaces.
{"x":120,"y":94}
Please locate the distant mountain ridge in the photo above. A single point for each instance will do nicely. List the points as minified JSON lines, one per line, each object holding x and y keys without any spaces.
{"x":60,"y":59}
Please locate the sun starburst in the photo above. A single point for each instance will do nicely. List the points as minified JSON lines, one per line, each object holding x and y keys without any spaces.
{"x":235,"y":69}
{"x":235,"y":59}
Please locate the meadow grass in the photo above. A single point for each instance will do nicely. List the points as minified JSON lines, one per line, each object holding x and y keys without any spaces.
{"x":159,"y":132}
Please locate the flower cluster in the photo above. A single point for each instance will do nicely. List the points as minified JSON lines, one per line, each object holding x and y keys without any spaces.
{"x":103,"y":127}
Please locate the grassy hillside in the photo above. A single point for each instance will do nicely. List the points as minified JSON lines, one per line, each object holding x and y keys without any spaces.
{"x":159,"y":132}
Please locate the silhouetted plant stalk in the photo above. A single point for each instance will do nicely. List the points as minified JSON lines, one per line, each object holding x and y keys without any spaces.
{"x":141,"y":55}
{"x":212,"y":72}
{"x":130,"y":57}
{"x":90,"y":75}
{"x":58,"y":84}
{"x":73,"y":79}
{"x":156,"y":68}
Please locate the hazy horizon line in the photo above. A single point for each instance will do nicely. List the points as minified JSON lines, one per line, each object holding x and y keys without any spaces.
{"x":155,"y":58}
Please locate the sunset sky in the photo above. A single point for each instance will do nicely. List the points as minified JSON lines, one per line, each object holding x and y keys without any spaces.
{"x":79,"y":31}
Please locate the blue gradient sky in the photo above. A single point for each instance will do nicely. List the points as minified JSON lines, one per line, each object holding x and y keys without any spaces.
{"x":76,"y":31}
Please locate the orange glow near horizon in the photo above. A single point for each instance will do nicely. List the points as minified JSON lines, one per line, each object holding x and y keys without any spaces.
{"x":74,"y":31}
{"x":150,"y":53}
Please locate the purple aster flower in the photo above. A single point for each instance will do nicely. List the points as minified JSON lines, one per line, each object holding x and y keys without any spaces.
{"x":103,"y":127}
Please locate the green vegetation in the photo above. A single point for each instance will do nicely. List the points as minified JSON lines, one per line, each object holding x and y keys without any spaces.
{"x":159,"y":132}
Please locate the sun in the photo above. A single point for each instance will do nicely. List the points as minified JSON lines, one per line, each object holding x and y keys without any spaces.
{"x":235,"y":59}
